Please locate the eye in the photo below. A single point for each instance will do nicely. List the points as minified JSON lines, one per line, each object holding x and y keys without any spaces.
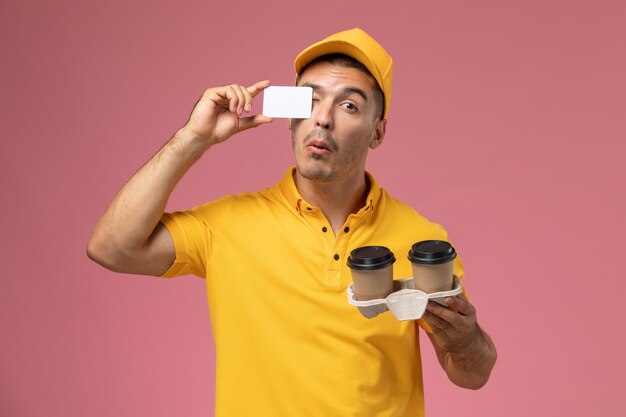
{"x":349,"y":106}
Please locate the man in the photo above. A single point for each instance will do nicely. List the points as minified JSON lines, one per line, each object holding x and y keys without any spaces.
{"x":287,"y":341}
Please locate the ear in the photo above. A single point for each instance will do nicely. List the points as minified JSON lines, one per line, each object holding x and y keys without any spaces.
{"x":379,"y":134}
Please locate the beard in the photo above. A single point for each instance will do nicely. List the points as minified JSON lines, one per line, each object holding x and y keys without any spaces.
{"x":315,"y":171}
{"x":318,"y":174}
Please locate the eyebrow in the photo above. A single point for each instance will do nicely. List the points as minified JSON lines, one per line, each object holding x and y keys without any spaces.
{"x":347,"y":90}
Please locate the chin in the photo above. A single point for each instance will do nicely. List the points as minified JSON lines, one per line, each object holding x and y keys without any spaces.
{"x":313,"y":173}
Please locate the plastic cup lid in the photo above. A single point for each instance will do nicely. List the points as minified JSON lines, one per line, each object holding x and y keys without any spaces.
{"x":369,"y":258}
{"x":431,"y":252}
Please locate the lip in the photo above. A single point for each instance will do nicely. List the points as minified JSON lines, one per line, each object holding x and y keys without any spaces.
{"x":318,"y":147}
{"x":317,"y":151}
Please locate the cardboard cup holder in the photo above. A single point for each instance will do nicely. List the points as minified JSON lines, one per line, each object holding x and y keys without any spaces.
{"x":405,"y":302}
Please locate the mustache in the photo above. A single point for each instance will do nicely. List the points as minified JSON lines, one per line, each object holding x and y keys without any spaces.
{"x":324,"y":135}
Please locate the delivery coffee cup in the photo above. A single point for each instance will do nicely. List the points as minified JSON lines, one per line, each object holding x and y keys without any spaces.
{"x":372,"y":272}
{"x":431,"y":261}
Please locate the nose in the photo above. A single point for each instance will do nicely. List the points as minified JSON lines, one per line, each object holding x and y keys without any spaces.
{"x":322,"y":114}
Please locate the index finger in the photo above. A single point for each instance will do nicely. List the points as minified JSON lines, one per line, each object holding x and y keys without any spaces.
{"x":258,"y":87}
{"x":460,"y":304}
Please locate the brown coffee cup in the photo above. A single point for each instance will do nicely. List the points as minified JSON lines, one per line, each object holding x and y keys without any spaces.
{"x":431,"y":261}
{"x":372,"y":272}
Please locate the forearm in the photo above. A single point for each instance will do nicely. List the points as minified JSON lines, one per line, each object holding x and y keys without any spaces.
{"x":132,"y":216}
{"x":470,"y":366}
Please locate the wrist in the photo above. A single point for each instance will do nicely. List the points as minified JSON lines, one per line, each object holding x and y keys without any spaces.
{"x":187,"y":139}
{"x":471,"y":368}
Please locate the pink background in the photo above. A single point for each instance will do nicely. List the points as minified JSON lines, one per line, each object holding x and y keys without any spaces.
{"x":507,"y":126}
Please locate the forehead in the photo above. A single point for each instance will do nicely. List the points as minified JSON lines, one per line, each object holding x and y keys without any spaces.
{"x":334,"y":77}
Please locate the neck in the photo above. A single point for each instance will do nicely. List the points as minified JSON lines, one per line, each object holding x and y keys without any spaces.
{"x":336,"y":199}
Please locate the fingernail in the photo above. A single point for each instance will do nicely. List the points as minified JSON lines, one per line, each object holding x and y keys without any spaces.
{"x":248,"y":107}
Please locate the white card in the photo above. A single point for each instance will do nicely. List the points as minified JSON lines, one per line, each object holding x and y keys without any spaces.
{"x":292,"y":102}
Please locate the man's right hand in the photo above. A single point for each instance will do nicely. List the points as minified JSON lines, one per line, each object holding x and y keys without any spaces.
{"x":217,"y":115}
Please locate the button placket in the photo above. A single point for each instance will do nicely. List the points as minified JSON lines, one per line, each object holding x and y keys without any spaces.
{"x":318,"y":223}
{"x":341,"y":245}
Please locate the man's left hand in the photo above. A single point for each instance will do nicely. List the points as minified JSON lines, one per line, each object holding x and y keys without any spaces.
{"x":465,"y":352}
{"x":454,"y":327}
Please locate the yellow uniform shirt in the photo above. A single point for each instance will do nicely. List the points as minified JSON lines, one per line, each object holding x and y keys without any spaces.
{"x":287,"y":341}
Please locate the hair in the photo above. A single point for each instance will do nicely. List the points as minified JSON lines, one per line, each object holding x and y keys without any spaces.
{"x":349,"y":62}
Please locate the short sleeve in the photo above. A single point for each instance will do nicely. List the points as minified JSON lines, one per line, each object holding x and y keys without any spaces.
{"x":191,"y":234}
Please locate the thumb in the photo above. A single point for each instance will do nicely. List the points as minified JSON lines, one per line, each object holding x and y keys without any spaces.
{"x":246,"y":123}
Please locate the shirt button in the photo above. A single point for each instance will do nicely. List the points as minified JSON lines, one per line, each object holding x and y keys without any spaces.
{"x":346,"y":230}
{"x":324,"y":229}
{"x":336,"y":257}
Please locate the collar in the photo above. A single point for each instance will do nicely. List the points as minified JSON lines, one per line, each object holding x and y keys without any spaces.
{"x":287,"y":187}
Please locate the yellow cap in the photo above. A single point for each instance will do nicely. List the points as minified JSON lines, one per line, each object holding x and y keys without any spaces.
{"x":360,"y":46}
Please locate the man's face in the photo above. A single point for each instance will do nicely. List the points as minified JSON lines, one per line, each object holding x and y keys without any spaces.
{"x":334,"y":142}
